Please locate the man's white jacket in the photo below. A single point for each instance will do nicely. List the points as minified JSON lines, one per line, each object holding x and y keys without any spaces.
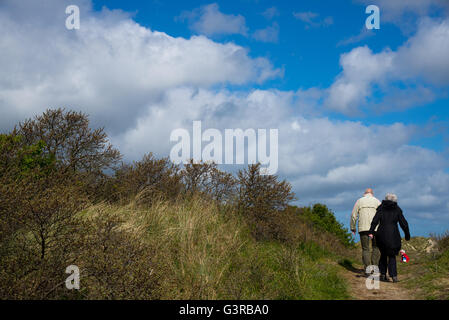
{"x":364,"y":211}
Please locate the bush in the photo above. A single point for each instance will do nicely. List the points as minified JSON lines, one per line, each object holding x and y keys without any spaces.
{"x":324,"y":219}
{"x":260,"y":197}
{"x":150,"y":178}
{"x":39,"y":242}
{"x":114,"y":262}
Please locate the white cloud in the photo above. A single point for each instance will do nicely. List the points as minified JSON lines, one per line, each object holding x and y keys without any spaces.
{"x":210,"y":21}
{"x":425,"y":54}
{"x":268,"y":34}
{"x":422,"y":57}
{"x":112,"y":67}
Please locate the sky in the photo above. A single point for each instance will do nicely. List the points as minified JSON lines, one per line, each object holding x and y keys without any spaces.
{"x":354,"y":108}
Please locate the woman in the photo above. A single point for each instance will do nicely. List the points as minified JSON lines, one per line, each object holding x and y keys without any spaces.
{"x":388,"y":238}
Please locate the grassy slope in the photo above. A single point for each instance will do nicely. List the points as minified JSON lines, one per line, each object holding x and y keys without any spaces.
{"x":202,"y":253}
{"x":427,"y":274}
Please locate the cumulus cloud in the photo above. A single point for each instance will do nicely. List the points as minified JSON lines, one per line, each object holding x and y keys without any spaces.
{"x":312,"y":19}
{"x":421,"y":57}
{"x":360,"y":69}
{"x":210,"y":21}
{"x":112,"y":67}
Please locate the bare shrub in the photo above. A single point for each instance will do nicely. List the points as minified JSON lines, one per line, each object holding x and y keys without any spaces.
{"x":115,"y":263}
{"x":206,"y":179}
{"x":150,"y":178}
{"x":261,"y":197}
{"x":36,"y":251}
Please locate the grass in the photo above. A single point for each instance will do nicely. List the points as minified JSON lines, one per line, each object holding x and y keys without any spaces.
{"x":200,"y":252}
{"x":428,"y":269}
{"x":430,"y":276}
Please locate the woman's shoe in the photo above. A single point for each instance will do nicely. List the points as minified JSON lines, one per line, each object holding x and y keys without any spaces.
{"x":384,"y":278}
{"x":395,"y":279}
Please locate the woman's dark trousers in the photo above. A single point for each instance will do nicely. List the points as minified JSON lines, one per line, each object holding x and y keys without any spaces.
{"x":387,"y":262}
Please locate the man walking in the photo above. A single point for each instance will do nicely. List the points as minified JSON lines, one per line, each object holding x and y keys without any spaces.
{"x":364,"y":211}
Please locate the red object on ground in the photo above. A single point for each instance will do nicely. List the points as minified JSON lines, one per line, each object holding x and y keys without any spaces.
{"x":404,"y":256}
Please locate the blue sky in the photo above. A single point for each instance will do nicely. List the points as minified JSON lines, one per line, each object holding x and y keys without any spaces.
{"x":355,"y":108}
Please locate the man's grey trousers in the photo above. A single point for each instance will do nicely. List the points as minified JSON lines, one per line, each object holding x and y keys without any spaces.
{"x":369,"y":257}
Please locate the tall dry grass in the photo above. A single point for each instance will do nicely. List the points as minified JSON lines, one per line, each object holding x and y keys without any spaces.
{"x":192,"y":243}
{"x":201,"y":251}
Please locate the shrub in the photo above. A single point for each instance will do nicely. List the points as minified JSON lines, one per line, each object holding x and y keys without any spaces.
{"x":260,"y":197}
{"x":150,"y":178}
{"x":114,"y":262}
{"x":37,"y":246}
{"x":77,"y":148}
{"x":206,"y":179}
{"x":324,"y":219}
{"x":68,"y":137}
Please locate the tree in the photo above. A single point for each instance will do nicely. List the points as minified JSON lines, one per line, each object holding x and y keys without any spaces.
{"x":262,"y":194}
{"x":38,"y":204}
{"x":68,"y":138}
{"x":261,"y":197}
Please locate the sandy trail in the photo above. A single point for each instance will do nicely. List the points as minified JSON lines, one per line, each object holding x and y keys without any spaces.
{"x":387,"y":290}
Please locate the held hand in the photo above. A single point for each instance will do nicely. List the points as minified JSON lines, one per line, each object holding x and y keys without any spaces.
{"x":370,"y":236}
{"x":353,"y":232}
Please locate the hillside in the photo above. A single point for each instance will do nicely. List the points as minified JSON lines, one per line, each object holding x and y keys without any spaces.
{"x":187,"y":250}
{"x":427,"y":274}
{"x":151,"y":229}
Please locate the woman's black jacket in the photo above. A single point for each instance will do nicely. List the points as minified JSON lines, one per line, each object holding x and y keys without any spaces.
{"x":388,"y":238}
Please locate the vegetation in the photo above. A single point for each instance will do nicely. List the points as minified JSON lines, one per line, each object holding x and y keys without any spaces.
{"x":324,"y":219}
{"x":152,"y":229}
{"x":431,"y":268}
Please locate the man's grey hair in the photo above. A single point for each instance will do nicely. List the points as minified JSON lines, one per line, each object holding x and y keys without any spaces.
{"x":391,"y":197}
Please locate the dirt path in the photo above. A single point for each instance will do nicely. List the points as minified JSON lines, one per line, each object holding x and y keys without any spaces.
{"x":387,"y":290}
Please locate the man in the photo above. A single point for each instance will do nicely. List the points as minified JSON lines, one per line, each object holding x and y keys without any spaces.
{"x":364,"y":211}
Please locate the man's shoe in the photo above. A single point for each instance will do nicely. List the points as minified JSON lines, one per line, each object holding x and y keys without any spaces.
{"x":384,"y":278}
{"x":395,"y":279}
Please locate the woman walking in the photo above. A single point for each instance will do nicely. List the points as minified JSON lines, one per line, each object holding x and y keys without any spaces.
{"x":388,"y":238}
